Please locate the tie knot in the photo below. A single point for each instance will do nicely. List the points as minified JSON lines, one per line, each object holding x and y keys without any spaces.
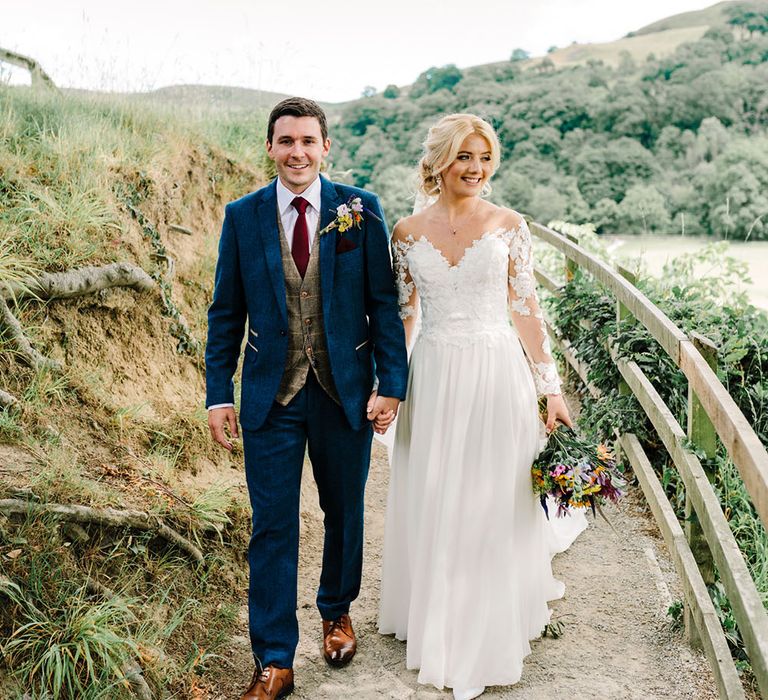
{"x":300,"y":204}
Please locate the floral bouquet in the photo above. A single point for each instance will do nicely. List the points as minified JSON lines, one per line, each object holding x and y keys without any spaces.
{"x":575,"y":473}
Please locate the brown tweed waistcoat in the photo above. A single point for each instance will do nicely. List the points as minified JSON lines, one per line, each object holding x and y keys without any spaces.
{"x":306,"y":332}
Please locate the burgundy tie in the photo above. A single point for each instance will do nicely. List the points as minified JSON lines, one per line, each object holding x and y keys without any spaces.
{"x":300,"y":245}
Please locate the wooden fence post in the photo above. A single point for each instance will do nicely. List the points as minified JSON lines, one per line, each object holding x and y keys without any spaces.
{"x":623,"y":314}
{"x":570,"y":272}
{"x":570,"y":265}
{"x":702,"y":434}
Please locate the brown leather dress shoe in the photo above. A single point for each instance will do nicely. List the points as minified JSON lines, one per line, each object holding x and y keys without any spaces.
{"x":270,"y":683}
{"x":339,"y":643}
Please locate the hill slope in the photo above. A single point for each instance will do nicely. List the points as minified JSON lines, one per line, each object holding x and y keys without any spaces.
{"x":110,"y":391}
{"x":638,"y":47}
{"x":713,"y":16}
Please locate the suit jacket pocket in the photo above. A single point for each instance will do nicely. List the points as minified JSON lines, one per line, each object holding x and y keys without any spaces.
{"x":345,"y":245}
{"x":251,"y":351}
{"x":363,"y":351}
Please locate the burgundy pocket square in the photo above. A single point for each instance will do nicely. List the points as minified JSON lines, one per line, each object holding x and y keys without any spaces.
{"x":345,"y":245}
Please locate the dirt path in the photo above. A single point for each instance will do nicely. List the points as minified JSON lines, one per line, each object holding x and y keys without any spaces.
{"x":618,"y":642}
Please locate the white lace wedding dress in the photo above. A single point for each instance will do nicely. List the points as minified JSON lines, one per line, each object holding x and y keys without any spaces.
{"x":466,"y":571}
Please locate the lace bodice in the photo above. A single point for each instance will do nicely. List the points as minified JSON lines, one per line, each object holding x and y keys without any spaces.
{"x":471,"y":301}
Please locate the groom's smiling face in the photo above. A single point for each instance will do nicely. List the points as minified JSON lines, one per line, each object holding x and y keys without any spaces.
{"x":298,"y":149}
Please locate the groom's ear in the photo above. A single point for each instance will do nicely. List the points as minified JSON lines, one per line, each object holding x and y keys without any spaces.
{"x":326,"y":147}
{"x":268,"y":146}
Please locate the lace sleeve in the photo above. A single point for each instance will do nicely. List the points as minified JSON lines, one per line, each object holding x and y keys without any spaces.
{"x":406,"y":289}
{"x":526,"y":313}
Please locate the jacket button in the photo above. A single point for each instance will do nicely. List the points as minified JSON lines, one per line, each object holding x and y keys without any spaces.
{"x":282,"y":333}
{"x":308,"y":321}
{"x":304,"y":294}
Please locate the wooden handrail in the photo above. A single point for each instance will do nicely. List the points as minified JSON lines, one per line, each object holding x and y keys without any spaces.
{"x":703,"y":611}
{"x":713,"y":408}
{"x":745,"y":600}
{"x":744,"y":447}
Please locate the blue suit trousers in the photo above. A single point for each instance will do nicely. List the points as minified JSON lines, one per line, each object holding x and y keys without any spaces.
{"x":274,"y":457}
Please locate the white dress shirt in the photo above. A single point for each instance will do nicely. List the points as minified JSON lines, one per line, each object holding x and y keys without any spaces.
{"x":288,"y":213}
{"x":288,"y":216}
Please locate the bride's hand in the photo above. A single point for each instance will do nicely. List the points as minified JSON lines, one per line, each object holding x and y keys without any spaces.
{"x":557,"y":411}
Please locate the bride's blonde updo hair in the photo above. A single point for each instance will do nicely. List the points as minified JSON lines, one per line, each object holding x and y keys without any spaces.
{"x":443,"y":143}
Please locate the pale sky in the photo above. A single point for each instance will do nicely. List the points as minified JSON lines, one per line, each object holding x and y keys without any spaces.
{"x":327,"y":50}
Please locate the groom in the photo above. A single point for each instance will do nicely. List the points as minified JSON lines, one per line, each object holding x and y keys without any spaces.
{"x":320,"y":306}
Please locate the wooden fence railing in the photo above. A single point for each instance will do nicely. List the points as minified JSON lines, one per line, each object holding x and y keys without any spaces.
{"x":706,"y":541}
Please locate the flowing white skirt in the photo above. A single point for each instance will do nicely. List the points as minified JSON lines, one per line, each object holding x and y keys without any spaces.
{"x":467,"y":548}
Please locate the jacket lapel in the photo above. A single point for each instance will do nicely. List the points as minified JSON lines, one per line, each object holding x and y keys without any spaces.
{"x":270,"y":236}
{"x":329,"y":200}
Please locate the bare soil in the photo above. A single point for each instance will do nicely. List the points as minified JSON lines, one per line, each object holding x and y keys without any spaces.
{"x":618,"y":641}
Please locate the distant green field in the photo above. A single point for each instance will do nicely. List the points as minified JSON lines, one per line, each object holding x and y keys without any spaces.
{"x":656,"y":250}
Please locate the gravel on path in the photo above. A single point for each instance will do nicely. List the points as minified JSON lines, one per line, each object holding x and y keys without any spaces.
{"x":618,"y":641}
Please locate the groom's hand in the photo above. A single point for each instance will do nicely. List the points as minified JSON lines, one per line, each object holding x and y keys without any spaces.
{"x":382,"y":411}
{"x":217,"y":419}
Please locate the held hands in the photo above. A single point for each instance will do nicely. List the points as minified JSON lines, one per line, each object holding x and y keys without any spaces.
{"x":381,"y":411}
{"x":557,"y":411}
{"x":217,"y":419}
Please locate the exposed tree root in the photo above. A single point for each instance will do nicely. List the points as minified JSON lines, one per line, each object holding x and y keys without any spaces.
{"x":7,"y":400}
{"x":39,"y":77}
{"x":181,"y":229}
{"x":135,"y":677}
{"x":95,"y":588}
{"x":81,"y":281}
{"x":109,"y":517}
{"x":64,"y":285}
{"x":32,"y":356}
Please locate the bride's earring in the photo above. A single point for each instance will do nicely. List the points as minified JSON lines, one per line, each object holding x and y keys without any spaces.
{"x":438,"y":182}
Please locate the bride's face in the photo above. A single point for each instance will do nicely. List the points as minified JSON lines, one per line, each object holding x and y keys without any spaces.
{"x":472,"y":168}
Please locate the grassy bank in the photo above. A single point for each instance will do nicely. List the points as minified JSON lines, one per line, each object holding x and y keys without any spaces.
{"x":115,"y":419}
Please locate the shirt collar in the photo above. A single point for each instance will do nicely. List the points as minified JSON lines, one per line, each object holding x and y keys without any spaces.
{"x":312,"y":194}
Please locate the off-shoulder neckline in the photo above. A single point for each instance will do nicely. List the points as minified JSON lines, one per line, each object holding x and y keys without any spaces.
{"x":411,"y":239}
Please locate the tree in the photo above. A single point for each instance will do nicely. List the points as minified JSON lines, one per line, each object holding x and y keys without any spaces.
{"x":368,"y":91}
{"x":672,"y":144}
{"x":546,"y":65}
{"x":735,"y":186}
{"x":710,"y":142}
{"x":391,"y":92}
{"x":396,"y":186}
{"x":552,"y":49}
{"x":643,"y":210}
{"x":627,"y":64}
{"x":547,"y":140}
{"x":609,"y":171}
{"x":513,"y":189}
{"x":548,"y":204}
{"x":605,"y":216}
{"x":519,"y":55}
{"x":750,"y":18}
{"x":436,"y":79}
{"x":590,"y":137}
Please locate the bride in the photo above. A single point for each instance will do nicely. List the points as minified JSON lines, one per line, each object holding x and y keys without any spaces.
{"x":466,"y":572}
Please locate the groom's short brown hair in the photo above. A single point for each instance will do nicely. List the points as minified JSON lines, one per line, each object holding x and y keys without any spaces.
{"x":297,"y":107}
